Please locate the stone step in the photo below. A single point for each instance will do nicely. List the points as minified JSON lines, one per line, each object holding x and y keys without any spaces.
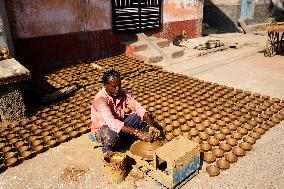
{"x":162,"y":43}
{"x":134,"y":46}
{"x":149,"y":56}
{"x":174,"y":51}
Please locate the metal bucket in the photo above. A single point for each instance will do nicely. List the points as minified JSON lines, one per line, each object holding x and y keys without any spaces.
{"x":115,"y":167}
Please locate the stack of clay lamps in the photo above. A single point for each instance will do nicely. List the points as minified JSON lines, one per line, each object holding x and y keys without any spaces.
{"x":4,"y":54}
{"x":226,"y":122}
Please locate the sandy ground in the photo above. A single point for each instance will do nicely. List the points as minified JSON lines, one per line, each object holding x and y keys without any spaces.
{"x":76,"y":164}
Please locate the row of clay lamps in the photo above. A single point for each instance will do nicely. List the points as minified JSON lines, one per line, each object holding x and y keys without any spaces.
{"x":47,"y":128}
{"x":226,"y":122}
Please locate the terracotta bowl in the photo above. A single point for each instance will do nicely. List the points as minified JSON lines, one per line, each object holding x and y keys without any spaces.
{"x":168,"y":128}
{"x":237,"y":135}
{"x":215,"y":127}
{"x":209,"y":157}
{"x":210,"y":131}
{"x":220,"y":136}
{"x":176,"y":132}
{"x":26,"y":154}
{"x":200,"y":128}
{"x":255,"y":135}
{"x":225,"y":130}
{"x":11,"y":162}
{"x":230,"y":157}
{"x":196,"y":139}
{"x":260,"y":130}
{"x":238,"y":151}
{"x":213,"y":170}
{"x":232,"y":127}
{"x":223,"y":164}
{"x":247,"y":126}
{"x":193,"y":132}
{"x":51,"y":143}
{"x":169,"y":137}
{"x":243,"y":131}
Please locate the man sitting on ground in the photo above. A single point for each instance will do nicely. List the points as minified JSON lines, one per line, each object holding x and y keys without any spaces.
{"x":108,"y":114}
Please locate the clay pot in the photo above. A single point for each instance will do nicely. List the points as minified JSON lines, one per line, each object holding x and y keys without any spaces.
{"x":200,"y":128}
{"x":144,"y":149}
{"x":255,"y":135}
{"x":213,"y":141}
{"x":210,"y":131}
{"x":212,"y":170}
{"x":11,"y":162}
{"x":6,"y":149}
{"x":221,"y":123}
{"x":197,"y":119}
{"x":249,"y":139}
{"x":209,"y":157}
{"x":191,"y":124}
{"x":169,"y":137}
{"x":73,"y":134}
{"x":10,"y":154}
{"x":237,"y":135}
{"x":223,"y":164}
{"x":36,"y":142}
{"x":220,"y":136}
{"x":175,"y":124}
{"x":239,"y":151}
{"x":230,"y":157}
{"x":212,"y":119}
{"x":218,"y":152}
{"x":215,"y":127}
{"x":246,"y":146}
{"x":232,"y":141}
{"x":226,"y":147}
{"x":205,"y":147}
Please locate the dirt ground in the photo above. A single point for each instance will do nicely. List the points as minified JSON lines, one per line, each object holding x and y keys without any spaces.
{"x":76,"y":164}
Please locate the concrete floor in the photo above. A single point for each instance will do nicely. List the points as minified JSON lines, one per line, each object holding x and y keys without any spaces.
{"x":76,"y":164}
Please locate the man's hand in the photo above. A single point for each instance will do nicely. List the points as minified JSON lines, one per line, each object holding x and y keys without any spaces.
{"x":154,"y":132}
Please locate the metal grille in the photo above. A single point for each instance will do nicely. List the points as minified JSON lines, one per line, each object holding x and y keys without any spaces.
{"x":136,"y":15}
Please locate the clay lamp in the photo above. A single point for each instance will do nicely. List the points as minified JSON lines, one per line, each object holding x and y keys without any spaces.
{"x":215,"y":127}
{"x":200,"y":128}
{"x":270,"y":123}
{"x":212,"y":119}
{"x":32,"y":138}
{"x":243,"y":131}
{"x":209,"y":157}
{"x":265,"y":126}
{"x":168,"y":128}
{"x":44,"y":133}
{"x":26,"y":155}
{"x":165,"y":109}
{"x":188,"y":117}
{"x":225,"y":130}
{"x":226,"y":120}
{"x":225,"y":147}
{"x":279,"y":116}
{"x":237,"y":113}
{"x":260,"y":130}
{"x":213,"y":141}
{"x":217,"y":116}
{"x":167,"y":121}
{"x":253,"y":122}
{"x":208,"y":113}
{"x":176,"y":132}
{"x":193,"y":132}
{"x":18,"y":143}
{"x":174,"y":117}
{"x":158,"y":117}
{"x":203,"y":136}
{"x":259,"y":120}
{"x":11,"y":135}
{"x":275,"y":119}
{"x":191,"y":124}
{"x":246,"y":146}
{"x":38,"y":149}
{"x":213,"y":170}
{"x":197,"y":119}
{"x":218,"y":152}
{"x":62,"y":138}
{"x":237,"y":135}
{"x":196,"y":139}
{"x":11,"y":162}
{"x":230,"y":157}
{"x":13,"y":140}
{"x":255,"y":135}
{"x":169,"y":137}
{"x":184,"y":128}
{"x":210,"y":131}
{"x":247,"y":126}
{"x":73,"y":134}
{"x":238,"y":151}
{"x":23,"y":148}
{"x":47,"y":138}
{"x":36,"y":142}
{"x":175,"y":124}
{"x":194,"y":114}
{"x":58,"y":133}
{"x":232,"y":117}
{"x":51,"y":143}
{"x":37,"y":131}
{"x":221,"y":123}
{"x":205,"y":147}
{"x":249,"y":139}
{"x":10,"y":154}
{"x":220,"y":136}
{"x":232,"y":141}
{"x":205,"y":123}
{"x":166,"y":114}
{"x":181,"y":120}
{"x":223,"y":164}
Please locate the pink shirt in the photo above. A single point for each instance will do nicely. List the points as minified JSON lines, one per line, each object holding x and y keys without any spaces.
{"x":106,"y":111}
